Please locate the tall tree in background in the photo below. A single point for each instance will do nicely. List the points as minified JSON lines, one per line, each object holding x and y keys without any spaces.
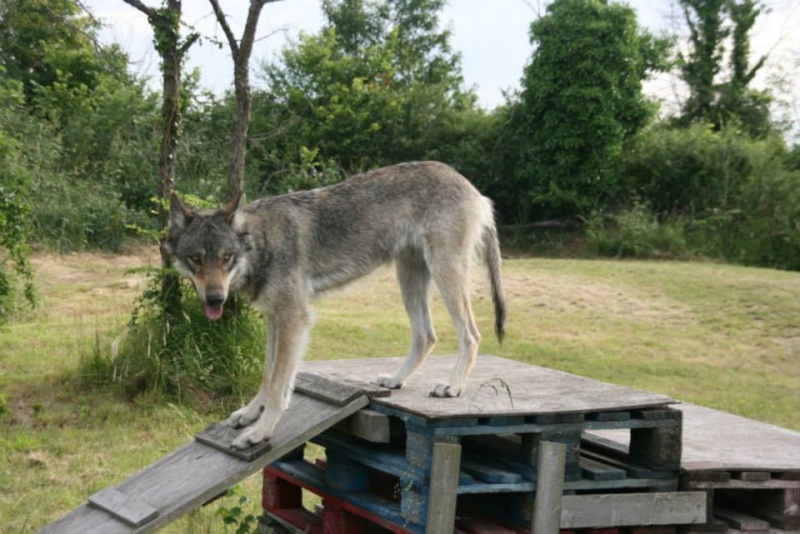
{"x":378,"y":84}
{"x":240,"y":51}
{"x":581,"y":99}
{"x":172,"y":49}
{"x":714,"y":27}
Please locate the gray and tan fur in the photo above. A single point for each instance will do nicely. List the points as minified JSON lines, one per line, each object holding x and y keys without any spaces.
{"x":280,"y":252}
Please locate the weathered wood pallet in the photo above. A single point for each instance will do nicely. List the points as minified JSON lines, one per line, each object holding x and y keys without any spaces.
{"x":745,"y":466}
{"x":509,"y":409}
{"x":198,"y":472}
{"x":577,"y":511}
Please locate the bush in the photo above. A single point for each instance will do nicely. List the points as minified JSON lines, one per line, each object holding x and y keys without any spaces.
{"x":77,"y":216}
{"x":184,"y":356}
{"x":635,"y":233}
{"x":16,"y":173}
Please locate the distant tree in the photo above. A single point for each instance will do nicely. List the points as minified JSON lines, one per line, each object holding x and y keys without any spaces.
{"x":45,"y":41}
{"x":378,"y":84}
{"x":714,"y":26}
{"x":581,"y":99}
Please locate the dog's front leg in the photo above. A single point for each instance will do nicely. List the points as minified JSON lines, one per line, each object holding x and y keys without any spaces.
{"x":288,"y":336}
{"x":252,"y":411}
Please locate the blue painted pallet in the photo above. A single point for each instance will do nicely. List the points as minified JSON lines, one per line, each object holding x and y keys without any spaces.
{"x":482,"y":471}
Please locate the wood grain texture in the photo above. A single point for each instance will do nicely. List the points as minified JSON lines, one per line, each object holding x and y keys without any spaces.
{"x":445,"y":467}
{"x":634,"y":509}
{"x":129,"y":509}
{"x":497,"y":387}
{"x":193,"y":474}
{"x":547,"y":511}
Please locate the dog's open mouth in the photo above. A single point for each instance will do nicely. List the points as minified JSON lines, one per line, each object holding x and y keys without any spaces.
{"x":213,"y":312}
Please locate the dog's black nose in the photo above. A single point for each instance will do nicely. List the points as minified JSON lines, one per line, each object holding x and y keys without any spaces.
{"x":215,"y":299}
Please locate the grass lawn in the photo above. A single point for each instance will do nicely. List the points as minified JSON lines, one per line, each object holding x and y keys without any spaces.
{"x":716,"y":335}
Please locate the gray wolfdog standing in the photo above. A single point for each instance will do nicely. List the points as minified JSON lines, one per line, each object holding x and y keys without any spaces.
{"x":280,"y":252}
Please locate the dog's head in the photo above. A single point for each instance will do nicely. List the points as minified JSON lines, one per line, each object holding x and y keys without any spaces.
{"x":207,"y":248}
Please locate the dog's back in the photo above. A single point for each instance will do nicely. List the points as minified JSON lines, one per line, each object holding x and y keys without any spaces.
{"x":346,"y":230}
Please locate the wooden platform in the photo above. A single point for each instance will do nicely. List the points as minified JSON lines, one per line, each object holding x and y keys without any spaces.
{"x":496,"y":387}
{"x":383,"y":472}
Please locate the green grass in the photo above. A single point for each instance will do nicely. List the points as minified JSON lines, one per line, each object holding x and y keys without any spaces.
{"x":716,"y":335}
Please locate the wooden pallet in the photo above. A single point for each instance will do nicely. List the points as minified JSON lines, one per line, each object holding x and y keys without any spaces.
{"x":497,"y":427}
{"x":749,"y":470}
{"x":379,"y":504}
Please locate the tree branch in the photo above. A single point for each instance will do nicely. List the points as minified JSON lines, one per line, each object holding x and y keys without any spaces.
{"x":147,"y":10}
{"x":226,"y":29}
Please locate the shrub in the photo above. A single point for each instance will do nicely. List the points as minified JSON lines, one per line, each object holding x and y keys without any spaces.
{"x":185,"y":356}
{"x":635,"y":233}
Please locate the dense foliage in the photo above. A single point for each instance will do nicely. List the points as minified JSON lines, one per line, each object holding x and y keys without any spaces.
{"x":575,"y":126}
{"x":380,"y":83}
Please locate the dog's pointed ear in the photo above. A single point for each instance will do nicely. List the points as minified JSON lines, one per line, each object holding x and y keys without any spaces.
{"x":231,"y":211}
{"x":179,"y":215}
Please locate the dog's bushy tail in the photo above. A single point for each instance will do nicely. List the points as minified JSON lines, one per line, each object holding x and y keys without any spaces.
{"x":491,"y":252}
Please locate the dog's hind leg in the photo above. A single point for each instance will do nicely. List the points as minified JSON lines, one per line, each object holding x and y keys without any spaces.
{"x":414,"y":278}
{"x":452,"y":278}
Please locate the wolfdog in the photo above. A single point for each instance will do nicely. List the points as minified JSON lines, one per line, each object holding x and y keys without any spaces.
{"x":281,"y":251}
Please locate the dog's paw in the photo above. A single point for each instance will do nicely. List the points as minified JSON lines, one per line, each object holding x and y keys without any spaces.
{"x":389,"y":382}
{"x":252,"y":436}
{"x":446,"y":390}
{"x":245,"y":416}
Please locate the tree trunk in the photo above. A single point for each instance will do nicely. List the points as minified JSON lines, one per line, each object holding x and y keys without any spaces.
{"x":165,"y":23}
{"x":241,"y":125}
{"x":241,"y":52}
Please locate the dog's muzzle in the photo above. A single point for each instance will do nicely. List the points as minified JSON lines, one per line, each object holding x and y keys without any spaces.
{"x":214,"y":305}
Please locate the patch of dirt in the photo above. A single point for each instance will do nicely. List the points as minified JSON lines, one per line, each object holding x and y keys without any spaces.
{"x":81,"y":282}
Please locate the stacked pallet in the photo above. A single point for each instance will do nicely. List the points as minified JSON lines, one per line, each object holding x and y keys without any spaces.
{"x":749,"y":470}
{"x":388,"y":468}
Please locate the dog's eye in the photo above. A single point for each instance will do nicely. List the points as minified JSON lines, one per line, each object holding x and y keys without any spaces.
{"x":227,"y":257}
{"x":195,"y":258}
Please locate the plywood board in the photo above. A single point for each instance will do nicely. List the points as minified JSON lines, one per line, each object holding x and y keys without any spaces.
{"x":496,"y":387}
{"x":195,"y":473}
{"x":719,"y":441}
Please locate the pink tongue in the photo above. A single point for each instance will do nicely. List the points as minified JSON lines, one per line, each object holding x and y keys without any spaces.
{"x":213,"y":312}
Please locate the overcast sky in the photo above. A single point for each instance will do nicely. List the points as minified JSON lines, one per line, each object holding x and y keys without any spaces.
{"x":492,"y":37}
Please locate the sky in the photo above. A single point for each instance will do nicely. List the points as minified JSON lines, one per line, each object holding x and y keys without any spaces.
{"x":492,"y":37}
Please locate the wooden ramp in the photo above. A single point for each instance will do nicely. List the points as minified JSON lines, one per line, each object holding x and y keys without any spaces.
{"x":201,"y":470}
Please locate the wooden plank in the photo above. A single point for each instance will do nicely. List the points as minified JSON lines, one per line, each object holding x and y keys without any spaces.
{"x":193,"y":474}
{"x":734,"y":484}
{"x":753,"y":476}
{"x":336,"y":389}
{"x":131,"y":510}
{"x":718,"y":440}
{"x":445,"y":468}
{"x":496,"y":387}
{"x":547,"y":509}
{"x":740,"y":521}
{"x":485,"y":470}
{"x":595,"y":470}
{"x":221,"y":435}
{"x":369,"y":425}
{"x":633,"y":509}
